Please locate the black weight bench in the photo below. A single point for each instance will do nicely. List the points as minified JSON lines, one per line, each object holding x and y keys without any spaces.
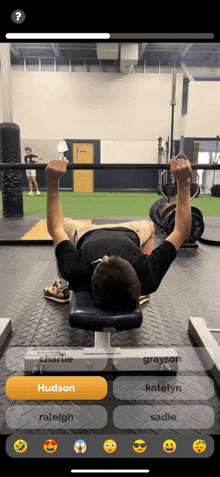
{"x":86,"y":315}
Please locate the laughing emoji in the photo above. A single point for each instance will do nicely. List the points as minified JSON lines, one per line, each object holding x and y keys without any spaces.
{"x":50,"y":446}
{"x":20,"y":446}
{"x":169,"y":446}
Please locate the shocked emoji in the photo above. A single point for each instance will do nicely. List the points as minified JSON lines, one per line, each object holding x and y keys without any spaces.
{"x":80,"y":446}
{"x":169,"y":446}
{"x":50,"y":446}
{"x":110,"y":446}
{"x":139,"y":446}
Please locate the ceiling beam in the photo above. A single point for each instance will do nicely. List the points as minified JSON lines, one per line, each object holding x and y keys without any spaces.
{"x":186,"y":71}
{"x":55,"y":48}
{"x":213,"y":58}
{"x":186,"y":49}
{"x":180,"y":53}
{"x":15,"y":50}
{"x":206,"y":56}
{"x":142,"y":49}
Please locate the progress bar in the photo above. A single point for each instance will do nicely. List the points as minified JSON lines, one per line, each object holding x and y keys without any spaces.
{"x":162,"y":36}
{"x":112,"y":36}
{"x":110,"y":471}
{"x":57,"y":36}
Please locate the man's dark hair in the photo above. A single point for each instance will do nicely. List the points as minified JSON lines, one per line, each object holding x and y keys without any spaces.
{"x":115,"y":285}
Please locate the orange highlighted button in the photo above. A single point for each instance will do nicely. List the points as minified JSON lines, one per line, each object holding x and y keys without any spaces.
{"x":56,"y":387}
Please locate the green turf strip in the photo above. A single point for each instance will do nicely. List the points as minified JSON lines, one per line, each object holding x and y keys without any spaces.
{"x":109,"y":204}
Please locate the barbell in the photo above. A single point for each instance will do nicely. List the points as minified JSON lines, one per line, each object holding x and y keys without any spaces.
{"x":22,"y":166}
{"x":168,"y":224}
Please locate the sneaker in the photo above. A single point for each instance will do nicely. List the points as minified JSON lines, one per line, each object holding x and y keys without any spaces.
{"x":144,"y":299}
{"x":38,"y":192}
{"x":61,"y":295}
{"x":30,"y":193}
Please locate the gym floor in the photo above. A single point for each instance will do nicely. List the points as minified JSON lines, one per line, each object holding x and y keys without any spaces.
{"x":189,"y":289}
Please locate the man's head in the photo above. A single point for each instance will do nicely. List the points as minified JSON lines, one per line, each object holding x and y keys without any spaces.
{"x":28,"y":150}
{"x":115,"y":284}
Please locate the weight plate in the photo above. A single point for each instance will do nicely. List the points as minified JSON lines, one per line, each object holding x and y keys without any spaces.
{"x":197,"y":227}
{"x":170,"y":226}
{"x":196,"y":211}
{"x":153,"y":212}
{"x":169,"y":219}
{"x":215,"y":190}
{"x":160,"y":204}
{"x":218,"y":191}
{"x":194,"y":187}
{"x":173,"y":189}
{"x":167,"y":208}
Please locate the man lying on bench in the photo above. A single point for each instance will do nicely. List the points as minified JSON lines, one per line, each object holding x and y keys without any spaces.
{"x":117,"y":262}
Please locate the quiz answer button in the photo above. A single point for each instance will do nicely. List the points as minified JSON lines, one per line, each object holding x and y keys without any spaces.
{"x":56,"y":387}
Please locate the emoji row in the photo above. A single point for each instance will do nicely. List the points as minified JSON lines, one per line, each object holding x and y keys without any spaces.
{"x":110,"y":446}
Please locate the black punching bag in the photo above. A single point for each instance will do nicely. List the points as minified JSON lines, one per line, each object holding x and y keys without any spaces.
{"x":12,"y":184}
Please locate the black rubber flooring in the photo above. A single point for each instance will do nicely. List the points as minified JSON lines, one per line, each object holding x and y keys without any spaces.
{"x":15,"y":228}
{"x":189,"y":289}
{"x":12,"y":229}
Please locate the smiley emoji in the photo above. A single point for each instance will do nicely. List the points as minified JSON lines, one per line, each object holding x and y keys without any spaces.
{"x":20,"y":446}
{"x":110,"y":446}
{"x":169,"y":446}
{"x":139,"y":446}
{"x":50,"y":446}
{"x":199,"y":446}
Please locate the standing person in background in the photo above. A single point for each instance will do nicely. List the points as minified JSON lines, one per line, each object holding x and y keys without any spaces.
{"x":30,"y":173}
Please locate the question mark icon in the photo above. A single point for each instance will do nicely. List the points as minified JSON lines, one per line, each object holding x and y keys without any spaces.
{"x":18,"y":16}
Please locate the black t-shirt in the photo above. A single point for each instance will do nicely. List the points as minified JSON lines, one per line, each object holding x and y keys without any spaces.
{"x":75,"y":264}
{"x":29,"y":158}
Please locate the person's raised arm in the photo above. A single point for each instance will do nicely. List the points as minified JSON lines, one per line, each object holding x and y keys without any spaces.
{"x":54,"y":170}
{"x":181,"y":168}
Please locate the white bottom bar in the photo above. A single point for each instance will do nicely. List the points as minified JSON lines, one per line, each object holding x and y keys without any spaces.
{"x":110,"y":471}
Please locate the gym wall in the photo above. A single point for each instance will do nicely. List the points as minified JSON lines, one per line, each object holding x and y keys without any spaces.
{"x":126,"y":113}
{"x":105,"y":106}
{"x":203,"y":113}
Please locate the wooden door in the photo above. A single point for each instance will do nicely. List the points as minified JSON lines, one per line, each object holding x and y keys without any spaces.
{"x":82,"y":179}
